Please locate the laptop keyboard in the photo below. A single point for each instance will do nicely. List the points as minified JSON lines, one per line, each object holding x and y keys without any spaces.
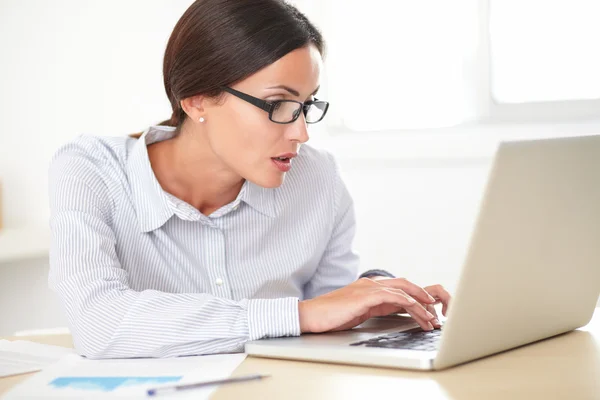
{"x":413,"y":339}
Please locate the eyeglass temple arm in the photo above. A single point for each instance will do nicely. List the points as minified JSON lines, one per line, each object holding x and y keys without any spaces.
{"x":250,"y":99}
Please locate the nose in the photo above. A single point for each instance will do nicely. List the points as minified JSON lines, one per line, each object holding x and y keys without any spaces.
{"x":298,"y":131}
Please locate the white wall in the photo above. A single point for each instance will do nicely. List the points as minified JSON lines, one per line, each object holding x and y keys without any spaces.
{"x":70,"y":67}
{"x":81,"y":66}
{"x":25,"y":300}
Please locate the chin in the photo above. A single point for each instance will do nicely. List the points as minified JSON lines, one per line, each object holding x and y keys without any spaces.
{"x":269,"y":181}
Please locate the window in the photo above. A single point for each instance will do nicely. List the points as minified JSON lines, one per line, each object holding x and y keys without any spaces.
{"x":398,"y":63}
{"x":544,"y":50}
{"x":404,"y":65}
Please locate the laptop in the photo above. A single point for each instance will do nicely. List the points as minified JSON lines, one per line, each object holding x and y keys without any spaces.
{"x":532,"y":269}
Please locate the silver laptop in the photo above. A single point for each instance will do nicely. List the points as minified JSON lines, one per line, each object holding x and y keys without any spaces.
{"x":532,"y":269}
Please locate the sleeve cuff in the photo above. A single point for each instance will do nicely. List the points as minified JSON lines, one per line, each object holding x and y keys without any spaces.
{"x":273,"y":318}
{"x":376,"y":272}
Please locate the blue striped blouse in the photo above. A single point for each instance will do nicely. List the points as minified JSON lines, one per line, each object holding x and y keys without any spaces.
{"x":141,"y":273}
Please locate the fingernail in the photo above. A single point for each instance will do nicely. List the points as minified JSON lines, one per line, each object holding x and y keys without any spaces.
{"x":411,"y":300}
{"x":430,"y":315}
{"x":436,"y":322}
{"x":431,"y":299}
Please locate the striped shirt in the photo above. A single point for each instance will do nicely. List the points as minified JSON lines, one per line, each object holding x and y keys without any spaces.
{"x":141,"y":273}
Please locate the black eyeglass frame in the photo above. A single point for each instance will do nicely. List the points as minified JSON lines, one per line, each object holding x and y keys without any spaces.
{"x":269,"y":106}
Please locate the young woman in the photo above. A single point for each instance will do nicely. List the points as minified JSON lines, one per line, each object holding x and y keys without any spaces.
{"x":216,"y":227}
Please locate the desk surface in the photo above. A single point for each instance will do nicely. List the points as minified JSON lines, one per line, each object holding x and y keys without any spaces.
{"x":564,"y":367}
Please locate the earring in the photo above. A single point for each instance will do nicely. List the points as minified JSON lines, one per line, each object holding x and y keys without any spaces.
{"x":201,"y":119}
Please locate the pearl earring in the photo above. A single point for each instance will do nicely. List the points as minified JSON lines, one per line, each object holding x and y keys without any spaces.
{"x":201,"y":119}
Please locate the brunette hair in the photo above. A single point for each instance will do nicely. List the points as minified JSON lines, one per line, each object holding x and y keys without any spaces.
{"x":217,"y":43}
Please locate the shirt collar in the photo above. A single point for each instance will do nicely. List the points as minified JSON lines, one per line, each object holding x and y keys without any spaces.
{"x":259,"y":198}
{"x":153,"y":206}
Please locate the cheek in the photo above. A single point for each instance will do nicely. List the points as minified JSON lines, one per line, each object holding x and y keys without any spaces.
{"x":246,"y":140}
{"x":246,"y":149}
{"x":259,"y":141}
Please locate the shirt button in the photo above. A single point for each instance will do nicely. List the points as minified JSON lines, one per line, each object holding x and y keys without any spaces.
{"x":219,"y":282}
{"x":236,"y":207}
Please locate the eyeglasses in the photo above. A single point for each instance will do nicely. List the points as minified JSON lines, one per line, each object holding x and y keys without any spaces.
{"x":286,"y":111}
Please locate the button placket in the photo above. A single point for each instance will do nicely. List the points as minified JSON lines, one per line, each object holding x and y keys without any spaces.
{"x":221,"y":287}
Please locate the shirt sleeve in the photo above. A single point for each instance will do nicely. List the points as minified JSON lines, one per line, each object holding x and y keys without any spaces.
{"x":110,"y":320}
{"x":339,"y":264}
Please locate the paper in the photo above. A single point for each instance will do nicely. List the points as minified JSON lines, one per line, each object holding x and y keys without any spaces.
{"x":78,"y":377}
{"x":20,"y":356}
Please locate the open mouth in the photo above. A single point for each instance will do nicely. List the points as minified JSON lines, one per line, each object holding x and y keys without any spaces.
{"x":283,"y":164}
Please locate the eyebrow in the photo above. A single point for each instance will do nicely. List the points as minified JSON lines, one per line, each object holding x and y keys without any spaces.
{"x":292,"y":91}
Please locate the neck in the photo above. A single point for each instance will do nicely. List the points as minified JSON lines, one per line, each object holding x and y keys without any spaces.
{"x":187,"y":168}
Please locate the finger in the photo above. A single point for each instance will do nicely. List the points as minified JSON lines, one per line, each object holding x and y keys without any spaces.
{"x":398,"y":298}
{"x":425,"y":325}
{"x":375,"y":301}
{"x":441,"y":296}
{"x":416,"y":307}
{"x":413,"y":303}
{"x":435,"y":322}
{"x":383,"y":295}
{"x":438,"y":292}
{"x":415,"y":291}
{"x":385,"y":309}
{"x":431,"y":309}
{"x":416,"y":310}
{"x":388,"y":309}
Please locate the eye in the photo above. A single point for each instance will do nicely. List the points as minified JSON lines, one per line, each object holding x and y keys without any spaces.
{"x":296,"y":113}
{"x":276,"y":106}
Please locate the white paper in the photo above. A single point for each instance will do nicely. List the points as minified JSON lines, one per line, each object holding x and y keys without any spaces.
{"x":20,"y":356}
{"x":78,"y":377}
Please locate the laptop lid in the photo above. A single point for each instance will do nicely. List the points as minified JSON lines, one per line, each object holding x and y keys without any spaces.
{"x":533,"y":266}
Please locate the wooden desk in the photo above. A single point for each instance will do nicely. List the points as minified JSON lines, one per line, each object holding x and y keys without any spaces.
{"x":564,"y":367}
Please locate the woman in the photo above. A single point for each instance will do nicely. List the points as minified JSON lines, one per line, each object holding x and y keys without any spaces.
{"x":187,"y":240}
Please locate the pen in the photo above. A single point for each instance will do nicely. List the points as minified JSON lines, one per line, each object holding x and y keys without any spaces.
{"x":152,"y":392}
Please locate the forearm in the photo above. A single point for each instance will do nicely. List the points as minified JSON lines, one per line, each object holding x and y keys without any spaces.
{"x":117,"y":322}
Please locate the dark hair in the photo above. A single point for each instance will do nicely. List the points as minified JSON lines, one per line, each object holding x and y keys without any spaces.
{"x":217,"y":43}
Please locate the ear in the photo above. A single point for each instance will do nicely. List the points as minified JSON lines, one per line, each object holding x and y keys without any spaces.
{"x":194,"y":107}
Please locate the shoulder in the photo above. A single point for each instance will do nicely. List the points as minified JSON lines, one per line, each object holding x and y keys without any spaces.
{"x":96,"y":162}
{"x":94,"y":149}
{"x":315,"y":167}
{"x":101,"y":154}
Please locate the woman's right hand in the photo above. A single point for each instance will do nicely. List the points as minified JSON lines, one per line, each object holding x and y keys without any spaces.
{"x":366,"y":298}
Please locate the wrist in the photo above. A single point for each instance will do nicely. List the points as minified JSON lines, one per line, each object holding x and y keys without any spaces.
{"x":302,"y":315}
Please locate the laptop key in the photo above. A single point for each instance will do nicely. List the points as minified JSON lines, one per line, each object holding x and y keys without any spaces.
{"x":414,"y":339}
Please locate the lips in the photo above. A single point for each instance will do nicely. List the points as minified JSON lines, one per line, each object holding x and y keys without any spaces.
{"x":285,"y":156}
{"x":283,"y":162}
